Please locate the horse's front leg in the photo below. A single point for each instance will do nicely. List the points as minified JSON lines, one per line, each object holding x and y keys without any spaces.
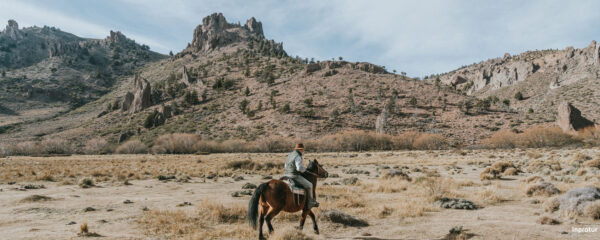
{"x":303,"y":219}
{"x":314,"y":219}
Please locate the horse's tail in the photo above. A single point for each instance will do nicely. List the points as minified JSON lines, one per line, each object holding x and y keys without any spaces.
{"x":253,"y":205}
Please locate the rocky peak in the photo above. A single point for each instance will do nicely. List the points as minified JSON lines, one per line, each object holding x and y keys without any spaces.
{"x":254,"y":26}
{"x":216,"y":32}
{"x":116,"y":37}
{"x":12,"y":30}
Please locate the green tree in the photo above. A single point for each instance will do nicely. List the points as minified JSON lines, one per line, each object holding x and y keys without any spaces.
{"x":285,"y":108}
{"x":191,"y":97}
{"x":519,"y":96}
{"x":272,"y":99}
{"x":413,"y":101}
{"x":247,"y":92}
{"x":244,"y":106}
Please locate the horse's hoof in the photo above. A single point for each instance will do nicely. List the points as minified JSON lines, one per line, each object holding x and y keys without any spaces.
{"x":317,"y":231}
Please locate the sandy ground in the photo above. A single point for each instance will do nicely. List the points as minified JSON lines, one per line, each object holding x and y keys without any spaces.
{"x":512,"y":218}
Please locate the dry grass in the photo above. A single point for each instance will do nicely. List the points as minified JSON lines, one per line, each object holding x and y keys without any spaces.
{"x":209,"y":220}
{"x":289,"y":233}
{"x":132,"y":147}
{"x":551,"y":205}
{"x":542,"y":189}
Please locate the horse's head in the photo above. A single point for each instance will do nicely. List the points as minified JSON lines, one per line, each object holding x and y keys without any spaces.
{"x":315,"y":167}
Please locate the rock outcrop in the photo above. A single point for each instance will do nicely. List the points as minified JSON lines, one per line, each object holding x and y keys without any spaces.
{"x":215,"y":32}
{"x":381,"y":121}
{"x":569,"y":118}
{"x":12,"y":30}
{"x":185,"y":77}
{"x":140,"y":98}
{"x":565,"y":66}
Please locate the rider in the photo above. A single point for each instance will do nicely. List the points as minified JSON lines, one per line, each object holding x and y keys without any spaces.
{"x":293,"y":168}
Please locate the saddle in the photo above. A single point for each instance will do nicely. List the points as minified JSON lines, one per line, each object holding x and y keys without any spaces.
{"x":294,"y":186}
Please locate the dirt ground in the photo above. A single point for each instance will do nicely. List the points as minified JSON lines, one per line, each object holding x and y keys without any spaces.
{"x":128,"y":201}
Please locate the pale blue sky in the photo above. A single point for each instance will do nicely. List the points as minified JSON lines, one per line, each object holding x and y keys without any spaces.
{"x":418,"y":37}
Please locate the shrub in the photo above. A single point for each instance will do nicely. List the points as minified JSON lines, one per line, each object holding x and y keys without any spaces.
{"x":430,"y":141}
{"x":132,"y":147}
{"x":55,"y":146}
{"x":96,"y":146}
{"x":5,"y":150}
{"x":26,"y":148}
{"x":178,"y":143}
{"x":534,"y":137}
{"x":404,"y":140}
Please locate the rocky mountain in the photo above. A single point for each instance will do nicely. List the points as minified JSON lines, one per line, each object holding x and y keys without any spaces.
{"x":230,"y":82}
{"x":536,"y":80}
{"x":46,"y":72}
{"x":233,"y":83}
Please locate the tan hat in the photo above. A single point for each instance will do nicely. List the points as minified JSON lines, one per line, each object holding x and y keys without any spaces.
{"x":299,"y":146}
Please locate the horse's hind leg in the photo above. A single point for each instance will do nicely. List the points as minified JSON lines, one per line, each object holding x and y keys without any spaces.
{"x":303,"y":219}
{"x":314,"y":219}
{"x":261,"y":221}
{"x":270,"y":215}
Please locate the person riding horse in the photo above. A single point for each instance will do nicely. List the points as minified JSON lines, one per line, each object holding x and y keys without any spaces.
{"x":293,"y":168}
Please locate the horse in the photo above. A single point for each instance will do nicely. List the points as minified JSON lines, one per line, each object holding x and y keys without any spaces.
{"x":275,"y":196}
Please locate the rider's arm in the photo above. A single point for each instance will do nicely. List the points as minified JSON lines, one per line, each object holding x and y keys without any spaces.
{"x":299,"y":166}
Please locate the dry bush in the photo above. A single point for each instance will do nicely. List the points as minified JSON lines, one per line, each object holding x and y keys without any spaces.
{"x":56,"y":146}
{"x":336,"y":216}
{"x":430,"y":141}
{"x":592,"y":210}
{"x":28,"y":148}
{"x":542,"y":189}
{"x":534,"y":179}
{"x":382,"y":185}
{"x":491,"y":195}
{"x":436,"y":188}
{"x":497,"y":169}
{"x":511,"y":171}
{"x":551,"y":205}
{"x":589,"y":135}
{"x":534,"y":137}
{"x":132,"y":147}
{"x":96,"y":146}
{"x":395,"y":173}
{"x":177,"y":143}
{"x":36,"y":198}
{"x":350,"y":202}
{"x":5,"y":150}
{"x":251,"y":165}
{"x":592,"y":163}
{"x":502,"y":139}
{"x":277,"y":144}
{"x":404,"y":140}
{"x":545,"y":220}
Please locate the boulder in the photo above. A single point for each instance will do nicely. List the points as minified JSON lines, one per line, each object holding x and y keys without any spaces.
{"x":570,"y":119}
{"x":141,"y":94}
{"x":455,"y":203}
{"x":575,"y":200}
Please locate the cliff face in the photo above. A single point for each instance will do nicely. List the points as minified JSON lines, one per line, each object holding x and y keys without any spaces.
{"x":563,"y":66}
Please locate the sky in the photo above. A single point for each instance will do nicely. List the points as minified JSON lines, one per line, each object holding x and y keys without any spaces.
{"x":417,"y":37}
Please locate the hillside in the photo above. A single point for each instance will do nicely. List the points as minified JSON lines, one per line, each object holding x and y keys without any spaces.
{"x":46,"y":72}
{"x":544,"y":79}
{"x":233,"y":83}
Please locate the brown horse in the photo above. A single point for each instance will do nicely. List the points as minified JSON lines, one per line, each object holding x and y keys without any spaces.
{"x":275,"y":196}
